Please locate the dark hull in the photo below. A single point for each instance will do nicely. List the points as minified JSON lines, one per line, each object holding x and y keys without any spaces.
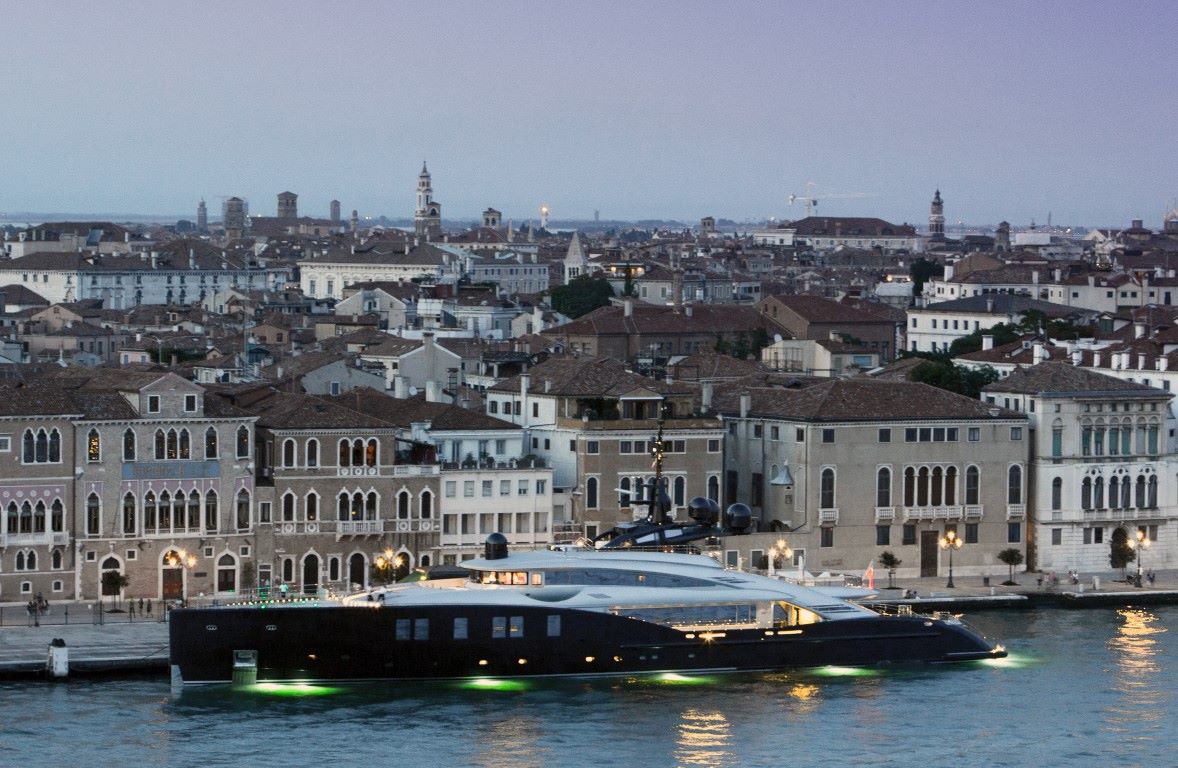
{"x":360,"y":643}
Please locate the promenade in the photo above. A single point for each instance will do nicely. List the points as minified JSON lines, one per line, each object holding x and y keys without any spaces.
{"x":121,"y":646}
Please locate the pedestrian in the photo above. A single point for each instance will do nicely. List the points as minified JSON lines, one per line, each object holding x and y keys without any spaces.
{"x":131,"y":610}
{"x":149,"y":606}
{"x":141,"y":606}
{"x":1040,"y":580}
{"x":31,"y":609}
{"x":1151,"y":576}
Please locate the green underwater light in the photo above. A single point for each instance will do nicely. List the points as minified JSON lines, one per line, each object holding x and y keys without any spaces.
{"x":292,"y":689}
{"x":834,"y":671}
{"x":675,"y":678}
{"x":495,"y":684}
{"x":1011,"y":661}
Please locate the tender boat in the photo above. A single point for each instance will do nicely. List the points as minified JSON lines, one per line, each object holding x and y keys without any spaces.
{"x":612,"y":610}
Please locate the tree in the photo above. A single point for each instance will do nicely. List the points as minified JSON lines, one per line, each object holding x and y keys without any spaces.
{"x":113,"y":583}
{"x":891,"y":562}
{"x":921,"y":270}
{"x":954,"y":378}
{"x":1120,"y":554}
{"x":1013,"y":558}
{"x":581,"y":295}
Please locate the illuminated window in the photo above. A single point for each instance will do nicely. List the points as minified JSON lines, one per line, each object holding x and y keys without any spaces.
{"x":93,"y":446}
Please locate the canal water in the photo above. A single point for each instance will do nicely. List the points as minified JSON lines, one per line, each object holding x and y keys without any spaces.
{"x":1081,"y":688}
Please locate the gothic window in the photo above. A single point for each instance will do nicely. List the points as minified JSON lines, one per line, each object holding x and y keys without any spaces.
{"x":1086,"y":493}
{"x":342,"y":505}
{"x":243,"y":510}
{"x":1114,"y":491}
{"x":371,"y":505}
{"x":160,"y":445}
{"x":39,"y":516}
{"x":42,"y":446}
{"x":427,"y":505}
{"x":288,"y":453}
{"x":129,"y":445}
{"x":129,"y":514}
{"x":591,"y":493}
{"x":149,"y":524}
{"x":972,"y":485}
{"x":13,"y":518}
{"x":185,"y":444}
{"x":26,"y":517}
{"x":1057,"y":492}
{"x":357,"y":453}
{"x":370,"y":453}
{"x":211,"y":443}
{"x":173,"y":445}
{"x":1098,"y":492}
{"x":57,"y":516}
{"x":193,"y":511}
{"x":938,"y":486}
{"x":883,"y":487}
{"x":826,"y":490}
{"x":93,"y":515}
{"x":93,"y":446}
{"x":1151,"y":500}
{"x":165,"y":512}
{"x":312,"y":453}
{"x":909,"y":487}
{"x":288,"y":507}
{"x":311,"y":507}
{"x":211,"y":512}
{"x":1014,"y":485}
{"x":54,"y":447}
{"x":403,"y":505}
{"x":951,"y":485}
{"x":28,"y":450}
{"x":1140,"y":495}
{"x":243,"y":442}
{"x":922,"y":487}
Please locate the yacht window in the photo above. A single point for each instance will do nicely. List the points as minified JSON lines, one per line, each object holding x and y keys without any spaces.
{"x":498,"y":626}
{"x":537,"y":579}
{"x":516,"y":628}
{"x":519,"y":578}
{"x":460,"y":631}
{"x":402,"y":629}
{"x":421,"y":629}
{"x":621,"y":578}
{"x":789,"y":615}
{"x":694,"y":615}
{"x":554,"y":626}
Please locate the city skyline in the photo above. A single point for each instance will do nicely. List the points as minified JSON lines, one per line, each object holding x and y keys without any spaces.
{"x":1013,"y":112}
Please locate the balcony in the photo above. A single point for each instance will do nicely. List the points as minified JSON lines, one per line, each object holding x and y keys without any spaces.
{"x":932,"y":513}
{"x":415,"y":470}
{"x":357,"y":471}
{"x":973,"y":511}
{"x":885,"y":514}
{"x":828,"y":516}
{"x":1016,"y":512}
{"x":359,"y":528}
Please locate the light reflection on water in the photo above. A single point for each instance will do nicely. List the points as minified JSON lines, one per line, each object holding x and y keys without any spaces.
{"x":1137,"y":714}
{"x":1080,"y":688}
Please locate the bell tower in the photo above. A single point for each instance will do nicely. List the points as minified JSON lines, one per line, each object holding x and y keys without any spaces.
{"x":936,"y":218}
{"x":427,"y":217}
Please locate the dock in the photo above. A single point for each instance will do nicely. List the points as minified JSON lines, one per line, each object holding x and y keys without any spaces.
{"x":111,"y":649}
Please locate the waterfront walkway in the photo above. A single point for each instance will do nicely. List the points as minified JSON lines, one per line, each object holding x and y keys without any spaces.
{"x":119,"y":645}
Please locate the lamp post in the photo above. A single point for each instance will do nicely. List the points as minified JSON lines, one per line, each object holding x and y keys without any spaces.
{"x":387,"y":563}
{"x":183,"y":559}
{"x":951,"y":541}
{"x":1140,"y":544}
{"x":780,"y":549}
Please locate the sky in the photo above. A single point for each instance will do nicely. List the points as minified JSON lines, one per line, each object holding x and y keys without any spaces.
{"x":1014,"y":110}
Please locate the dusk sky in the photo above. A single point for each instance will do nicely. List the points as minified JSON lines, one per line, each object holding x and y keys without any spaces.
{"x":675,"y":110}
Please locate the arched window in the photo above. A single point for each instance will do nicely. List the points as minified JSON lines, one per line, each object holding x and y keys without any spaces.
{"x":333,"y":569}
{"x":288,"y":569}
{"x":624,"y":492}
{"x":1114,"y":441}
{"x":165,"y":512}
{"x":31,"y":561}
{"x":922,"y":487}
{"x":826,"y":493}
{"x":403,"y":505}
{"x":26,"y":517}
{"x":311,"y":507}
{"x":160,"y":445}
{"x":212,"y":512}
{"x":345,"y":454}
{"x":883,"y":487}
{"x":938,"y":486}
{"x":1151,"y":500}
{"x":149,"y":512}
{"x":93,"y":515}
{"x":1057,"y":492}
{"x":93,"y":446}
{"x":679,"y":495}
{"x":591,"y":493}
{"x":57,"y":516}
{"x":357,"y":506}
{"x":1014,"y":485}
{"x":243,"y":510}
{"x":39,"y":515}
{"x":129,"y":445}
{"x":357,"y":453}
{"x":42,"y":446}
{"x":211,"y":443}
{"x":193,"y":523}
{"x":714,"y":488}
{"x":1086,"y":493}
{"x":185,"y":444}
{"x":312,"y":453}
{"x":13,"y":518}
{"x":20,"y":560}
{"x":1140,"y":496}
{"x":972,"y":484}
{"x":28,"y":450}
{"x":1126,"y":492}
{"x":180,"y":511}
{"x":55,"y":447}
{"x":55,"y":560}
{"x":288,"y":453}
{"x":370,"y":453}
{"x":129,"y":514}
{"x":341,"y":506}
{"x":427,"y":505}
{"x":288,"y":507}
{"x":371,"y":505}
{"x":910,"y":487}
{"x":173,"y":445}
{"x":951,"y":485}
{"x":1098,"y":492}
{"x":243,"y":442}
{"x":1114,"y":492}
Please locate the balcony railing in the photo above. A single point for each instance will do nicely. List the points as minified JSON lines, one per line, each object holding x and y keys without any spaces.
{"x":933,"y":513}
{"x":828,"y":516}
{"x":885,"y":514}
{"x":973,"y":511}
{"x":1016,"y":512}
{"x":415,"y":470}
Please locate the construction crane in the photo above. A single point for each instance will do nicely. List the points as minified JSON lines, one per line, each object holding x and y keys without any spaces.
{"x":810,"y":200}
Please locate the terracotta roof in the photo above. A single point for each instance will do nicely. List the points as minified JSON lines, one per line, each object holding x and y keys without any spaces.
{"x":1063,"y":378}
{"x":647,"y":319}
{"x":283,"y":410}
{"x":403,"y":413}
{"x":816,"y":309}
{"x":588,"y":377}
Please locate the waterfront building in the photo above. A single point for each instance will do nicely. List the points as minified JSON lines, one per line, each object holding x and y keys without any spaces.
{"x":848,"y":468}
{"x":1098,"y":463}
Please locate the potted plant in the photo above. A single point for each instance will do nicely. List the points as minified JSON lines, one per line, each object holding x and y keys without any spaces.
{"x":891,"y":562}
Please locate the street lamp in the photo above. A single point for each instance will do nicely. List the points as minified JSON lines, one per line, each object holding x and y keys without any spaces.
{"x":951,"y":541}
{"x":780,"y":549}
{"x":181,"y":558}
{"x":1141,"y":543}
{"x":387,"y":563}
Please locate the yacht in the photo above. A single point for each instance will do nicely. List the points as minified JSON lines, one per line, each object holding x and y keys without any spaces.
{"x":611,"y":609}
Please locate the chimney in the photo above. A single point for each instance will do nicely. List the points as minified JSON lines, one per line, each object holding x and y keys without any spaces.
{"x":628,"y":307}
{"x":1095,"y":358}
{"x":1058,"y":275}
{"x":987,"y":342}
{"x":1137,"y":224}
{"x":155,"y":260}
{"x":525,"y":383}
{"x":746,"y":403}
{"x":1139,"y":330}
{"x":1034,"y":277}
{"x":433,"y":393}
{"x":1141,"y":361}
{"x":1037,"y":353}
{"x":1077,"y":356}
{"x":706,"y":388}
{"x":401,"y":387}
{"x":687,"y":310}
{"x":547,"y":385}
{"x":192,"y":258}
{"x":989,"y":305}
{"x":1163,"y":363}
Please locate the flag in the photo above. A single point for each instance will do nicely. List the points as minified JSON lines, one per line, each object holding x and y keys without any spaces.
{"x":869,"y":576}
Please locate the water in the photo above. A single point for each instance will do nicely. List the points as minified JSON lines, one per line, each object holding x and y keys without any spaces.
{"x":1082,"y":688}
